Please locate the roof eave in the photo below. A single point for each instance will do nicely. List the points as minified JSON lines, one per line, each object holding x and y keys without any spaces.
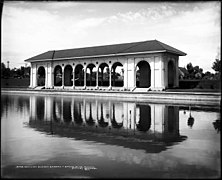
{"x":97,"y":56}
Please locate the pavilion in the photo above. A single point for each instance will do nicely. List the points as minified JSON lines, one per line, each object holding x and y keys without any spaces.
{"x":146,"y":65}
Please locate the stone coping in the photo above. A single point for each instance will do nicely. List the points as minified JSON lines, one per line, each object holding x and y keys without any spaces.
{"x":195,"y":98}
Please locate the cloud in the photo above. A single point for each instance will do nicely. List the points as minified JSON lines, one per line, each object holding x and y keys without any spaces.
{"x":32,"y":28}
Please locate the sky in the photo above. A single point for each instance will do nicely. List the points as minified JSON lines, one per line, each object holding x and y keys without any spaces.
{"x":30,"y":28}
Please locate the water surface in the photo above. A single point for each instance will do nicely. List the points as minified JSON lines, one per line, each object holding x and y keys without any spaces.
{"x":68,"y":136}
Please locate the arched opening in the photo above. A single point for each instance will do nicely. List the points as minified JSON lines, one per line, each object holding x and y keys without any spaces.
{"x":68,"y":76}
{"x":91,"y":75}
{"x":171,"y":74}
{"x":41,"y":76}
{"x":117,"y":74}
{"x":58,"y":76}
{"x":144,"y":115}
{"x":143,"y":75}
{"x":103,"y":74}
{"x":79,"y":75}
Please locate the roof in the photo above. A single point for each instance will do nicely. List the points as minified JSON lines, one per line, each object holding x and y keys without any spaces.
{"x":108,"y":50}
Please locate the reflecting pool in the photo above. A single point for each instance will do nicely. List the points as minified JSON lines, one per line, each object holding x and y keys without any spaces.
{"x":46,"y":136}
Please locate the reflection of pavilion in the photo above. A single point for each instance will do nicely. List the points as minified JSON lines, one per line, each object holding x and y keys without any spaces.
{"x":157,"y":120}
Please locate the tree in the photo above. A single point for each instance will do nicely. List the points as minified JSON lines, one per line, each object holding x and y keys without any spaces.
{"x":217,"y":66}
{"x":190,"y":69}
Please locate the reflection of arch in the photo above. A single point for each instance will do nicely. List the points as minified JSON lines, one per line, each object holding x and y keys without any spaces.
{"x":171,"y":119}
{"x":143,"y":75}
{"x":67,"y":115}
{"x":41,"y":76}
{"x":91,"y":77}
{"x":115,"y":124}
{"x":101,"y":119}
{"x":40,"y":108}
{"x":103,"y":74}
{"x":79,"y":75}
{"x":171,"y":74}
{"x":90,"y":121}
{"x":68,"y":76}
{"x":58,"y":76}
{"x":117,"y":78}
{"x":144,"y":118}
{"x":77,"y":113}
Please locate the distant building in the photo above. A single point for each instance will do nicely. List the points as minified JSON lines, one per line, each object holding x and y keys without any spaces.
{"x":151,"y":65}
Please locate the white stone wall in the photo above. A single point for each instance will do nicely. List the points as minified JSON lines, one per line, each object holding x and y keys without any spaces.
{"x":158,"y":64}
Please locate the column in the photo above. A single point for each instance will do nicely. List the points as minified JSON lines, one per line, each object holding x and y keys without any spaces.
{"x":63,"y":78}
{"x":46,"y":75}
{"x":176,"y":80}
{"x":110,"y":77}
{"x":73,"y":75}
{"x":97,"y":77}
{"x":30,"y":86}
{"x":162,"y":71}
{"x":125,"y":80}
{"x":84,"y":69}
{"x":50,"y":78}
{"x":34,"y":80}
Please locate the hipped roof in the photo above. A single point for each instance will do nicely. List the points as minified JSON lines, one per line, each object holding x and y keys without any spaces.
{"x":151,"y":46}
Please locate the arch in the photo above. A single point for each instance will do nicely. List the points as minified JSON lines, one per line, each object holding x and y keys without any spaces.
{"x":103,"y":74}
{"x":79,"y":75}
{"x":143,"y":75}
{"x":58,"y":76}
{"x":91,"y":75}
{"x":144,"y":122}
{"x":171,"y":74}
{"x":68,"y":76}
{"x":117,"y":74}
{"x":41,"y":76}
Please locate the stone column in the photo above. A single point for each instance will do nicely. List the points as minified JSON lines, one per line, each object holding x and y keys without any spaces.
{"x":73,"y":75}
{"x":176,"y":80}
{"x":110,"y":77}
{"x":97,"y":77}
{"x":34,"y":77}
{"x":63,"y":78}
{"x":84,"y":69}
{"x":31,"y":77}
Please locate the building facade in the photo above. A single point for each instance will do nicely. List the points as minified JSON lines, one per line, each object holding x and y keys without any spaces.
{"x":148,"y":65}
